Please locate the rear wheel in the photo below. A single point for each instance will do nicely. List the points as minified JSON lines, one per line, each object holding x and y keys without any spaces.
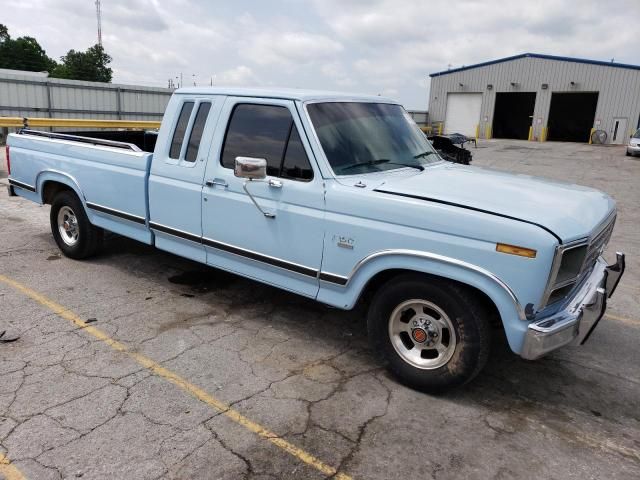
{"x":433,"y":334}
{"x":72,"y":231}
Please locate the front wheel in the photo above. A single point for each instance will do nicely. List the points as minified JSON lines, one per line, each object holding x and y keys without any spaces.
{"x":71,"y":228}
{"x":433,"y":333}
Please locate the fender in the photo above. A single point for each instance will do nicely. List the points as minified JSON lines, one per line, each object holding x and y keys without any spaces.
{"x":51,"y":175}
{"x":343,"y":292}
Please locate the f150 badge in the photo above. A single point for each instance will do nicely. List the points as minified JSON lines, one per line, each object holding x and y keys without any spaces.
{"x":344,"y":242}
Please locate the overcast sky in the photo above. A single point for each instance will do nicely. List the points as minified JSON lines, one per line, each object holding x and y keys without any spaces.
{"x":368,"y":46}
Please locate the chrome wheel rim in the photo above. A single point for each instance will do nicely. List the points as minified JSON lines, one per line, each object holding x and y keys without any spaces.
{"x":68,"y":226}
{"x":422,"y":334}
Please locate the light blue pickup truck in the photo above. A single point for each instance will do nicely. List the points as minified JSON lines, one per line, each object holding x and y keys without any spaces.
{"x":342,"y":199}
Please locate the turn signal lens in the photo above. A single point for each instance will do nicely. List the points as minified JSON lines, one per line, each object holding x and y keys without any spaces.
{"x":515,"y":250}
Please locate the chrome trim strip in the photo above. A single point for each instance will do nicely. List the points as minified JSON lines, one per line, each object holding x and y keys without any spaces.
{"x":443,"y":259}
{"x":333,"y":278}
{"x":260,"y":257}
{"x":116,"y":213}
{"x":24,"y":186}
{"x":175,"y":232}
{"x":241,"y":252}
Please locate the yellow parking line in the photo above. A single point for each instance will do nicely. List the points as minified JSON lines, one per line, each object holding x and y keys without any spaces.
{"x":628,"y":321}
{"x":8,"y":471}
{"x":180,"y":382}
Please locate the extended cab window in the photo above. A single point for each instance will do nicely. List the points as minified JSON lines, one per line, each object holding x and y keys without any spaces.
{"x":266,"y":131}
{"x":181,"y":128}
{"x":196,"y":132}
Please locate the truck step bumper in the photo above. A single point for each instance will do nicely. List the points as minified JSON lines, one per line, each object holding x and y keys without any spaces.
{"x":578,"y":320}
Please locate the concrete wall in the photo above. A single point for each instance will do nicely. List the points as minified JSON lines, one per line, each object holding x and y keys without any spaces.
{"x":619,"y":89}
{"x":27,"y":95}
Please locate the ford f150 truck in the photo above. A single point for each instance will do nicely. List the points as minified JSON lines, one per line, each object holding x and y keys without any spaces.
{"x":342,"y":199}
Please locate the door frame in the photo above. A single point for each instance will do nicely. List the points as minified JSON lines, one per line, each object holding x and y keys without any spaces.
{"x":623,"y":134}
{"x":289,"y":273}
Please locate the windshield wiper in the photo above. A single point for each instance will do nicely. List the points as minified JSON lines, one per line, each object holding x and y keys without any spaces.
{"x":424,"y":154}
{"x":378,"y":162}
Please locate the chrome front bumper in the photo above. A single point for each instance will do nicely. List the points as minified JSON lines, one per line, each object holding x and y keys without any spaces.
{"x":575,"y":323}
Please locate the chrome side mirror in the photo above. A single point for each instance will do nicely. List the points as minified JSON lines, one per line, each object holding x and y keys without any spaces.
{"x":250,"y":168}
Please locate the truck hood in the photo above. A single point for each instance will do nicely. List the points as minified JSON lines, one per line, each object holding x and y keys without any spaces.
{"x":566,"y":210}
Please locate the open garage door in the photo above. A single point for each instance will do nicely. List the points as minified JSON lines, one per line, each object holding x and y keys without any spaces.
{"x":571,"y":116}
{"x":463,"y":113}
{"x":513,"y":114}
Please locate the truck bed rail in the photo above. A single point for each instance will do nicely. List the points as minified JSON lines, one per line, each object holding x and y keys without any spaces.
{"x":81,"y":139}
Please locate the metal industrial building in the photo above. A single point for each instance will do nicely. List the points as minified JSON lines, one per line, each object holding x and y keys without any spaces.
{"x":33,"y":94}
{"x":538,"y":97}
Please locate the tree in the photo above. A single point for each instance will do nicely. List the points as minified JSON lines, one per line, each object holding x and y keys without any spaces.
{"x":91,"y":65}
{"x":23,"y":53}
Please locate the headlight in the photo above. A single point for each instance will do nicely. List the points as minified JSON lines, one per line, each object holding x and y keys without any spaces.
{"x":575,"y":260}
{"x":565,"y":271}
{"x":570,"y":265}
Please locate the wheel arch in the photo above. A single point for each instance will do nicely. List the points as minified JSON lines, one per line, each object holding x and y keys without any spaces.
{"x":382,"y":277}
{"x":50,"y":183}
{"x":376,"y":269}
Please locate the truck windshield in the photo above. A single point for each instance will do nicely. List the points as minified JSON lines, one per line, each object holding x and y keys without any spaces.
{"x":359,"y":137}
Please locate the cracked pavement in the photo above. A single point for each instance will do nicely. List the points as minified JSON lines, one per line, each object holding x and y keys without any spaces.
{"x":72,"y":407}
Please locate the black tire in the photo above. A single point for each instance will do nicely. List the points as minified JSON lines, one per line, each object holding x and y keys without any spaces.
{"x":89,"y":237}
{"x":627,"y":154}
{"x":467,"y":316}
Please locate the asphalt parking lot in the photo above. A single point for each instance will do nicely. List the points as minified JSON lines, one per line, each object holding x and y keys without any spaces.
{"x":141,"y":365}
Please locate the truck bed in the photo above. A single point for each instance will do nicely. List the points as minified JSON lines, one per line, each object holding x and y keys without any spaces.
{"x":110,"y":177}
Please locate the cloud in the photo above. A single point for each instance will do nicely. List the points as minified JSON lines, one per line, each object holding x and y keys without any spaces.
{"x":368,"y":46}
{"x":138,"y":14}
{"x":237,"y":76}
{"x":275,"y":47}
{"x":338,"y":73}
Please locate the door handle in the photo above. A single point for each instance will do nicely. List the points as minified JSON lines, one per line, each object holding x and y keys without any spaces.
{"x":275,"y":183}
{"x":216,"y":182}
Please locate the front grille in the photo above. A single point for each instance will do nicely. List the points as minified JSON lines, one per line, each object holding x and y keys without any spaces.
{"x":597,"y":245}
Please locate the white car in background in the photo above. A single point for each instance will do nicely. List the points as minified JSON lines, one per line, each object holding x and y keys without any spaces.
{"x":633,"y":148}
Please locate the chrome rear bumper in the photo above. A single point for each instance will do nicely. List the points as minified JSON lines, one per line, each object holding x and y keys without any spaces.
{"x":580,"y":317}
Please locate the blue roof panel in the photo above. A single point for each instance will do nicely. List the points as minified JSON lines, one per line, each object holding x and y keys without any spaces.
{"x":538,"y":55}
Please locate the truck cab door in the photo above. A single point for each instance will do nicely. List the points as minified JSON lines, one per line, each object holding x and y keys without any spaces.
{"x":177,"y":172}
{"x":283,"y":248}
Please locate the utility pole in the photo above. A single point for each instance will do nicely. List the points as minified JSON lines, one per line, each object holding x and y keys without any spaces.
{"x":99,"y":17}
